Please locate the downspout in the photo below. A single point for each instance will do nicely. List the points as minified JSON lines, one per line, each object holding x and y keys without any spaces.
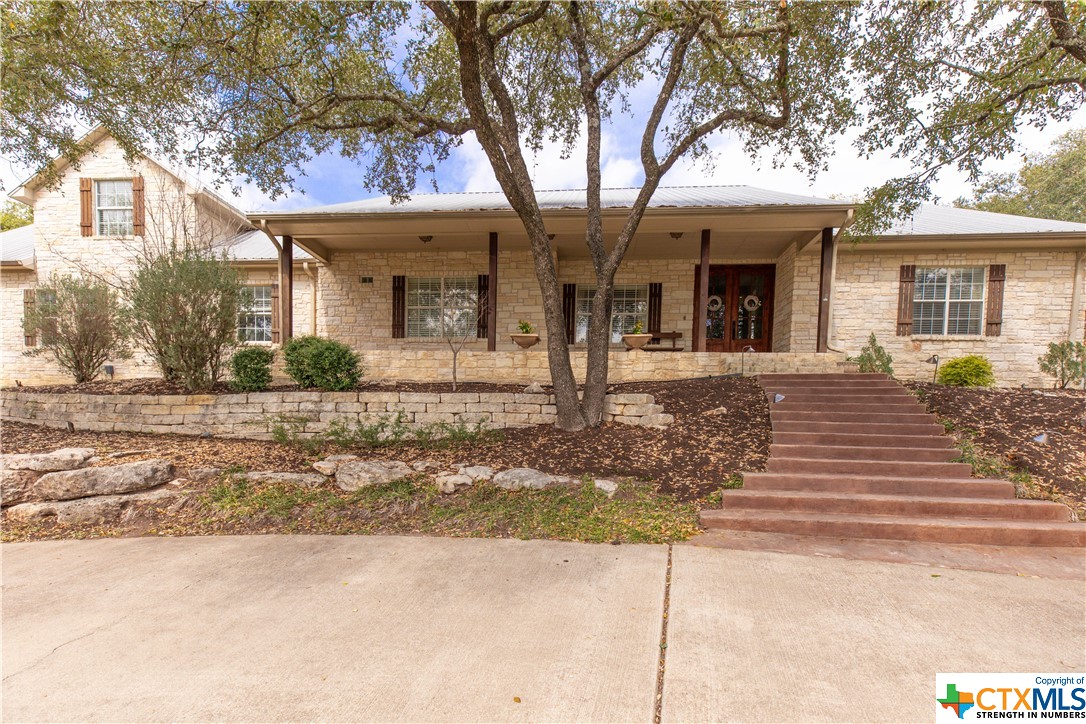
{"x":1075,"y":331}
{"x":831,"y":343}
{"x":313,"y":298}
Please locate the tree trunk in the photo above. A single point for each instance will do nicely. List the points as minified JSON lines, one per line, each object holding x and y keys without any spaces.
{"x":599,"y":349}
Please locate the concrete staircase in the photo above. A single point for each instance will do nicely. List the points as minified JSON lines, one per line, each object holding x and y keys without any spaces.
{"x":857,"y":456}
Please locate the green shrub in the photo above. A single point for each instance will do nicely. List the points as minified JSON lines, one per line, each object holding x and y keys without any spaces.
{"x":251,"y":369}
{"x":873,"y":358}
{"x":1066,"y":361}
{"x":973,"y":370}
{"x":322,"y":363}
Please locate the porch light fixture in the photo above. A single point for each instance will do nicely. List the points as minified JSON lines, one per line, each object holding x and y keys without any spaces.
{"x":426,"y":239}
{"x":778,"y":397}
{"x":934,"y":360}
{"x":1042,"y":438}
{"x":676,"y":235}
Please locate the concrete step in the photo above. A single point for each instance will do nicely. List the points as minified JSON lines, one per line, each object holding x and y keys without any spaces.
{"x":887,"y":468}
{"x":862,"y":439}
{"x":883,"y":407}
{"x":941,"y":530}
{"x":841,"y":398}
{"x":823,"y":378}
{"x":910,"y":429}
{"x":862,"y":388}
{"x":863,"y":452}
{"x":880,"y":485}
{"x":904,"y":505}
{"x":911,"y":416}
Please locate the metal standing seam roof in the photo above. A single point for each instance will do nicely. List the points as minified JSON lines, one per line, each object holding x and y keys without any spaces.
{"x":617,"y":198}
{"x":933,"y":220}
{"x":17,"y":245}
{"x":256,"y":246}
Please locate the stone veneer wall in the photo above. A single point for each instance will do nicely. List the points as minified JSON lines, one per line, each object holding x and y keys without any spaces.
{"x":250,"y":415}
{"x":1036,"y":310}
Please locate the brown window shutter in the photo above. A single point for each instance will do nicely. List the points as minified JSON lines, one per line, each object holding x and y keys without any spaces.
{"x":907,"y":284}
{"x":656,"y":301}
{"x":275,"y":330}
{"x":399,"y":307}
{"x":30,"y":340}
{"x":569,"y":310}
{"x":997,"y":275}
{"x":481,"y":306}
{"x":137,"y":206}
{"x":86,"y":207}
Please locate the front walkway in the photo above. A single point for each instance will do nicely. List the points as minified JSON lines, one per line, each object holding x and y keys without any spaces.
{"x":384,"y":628}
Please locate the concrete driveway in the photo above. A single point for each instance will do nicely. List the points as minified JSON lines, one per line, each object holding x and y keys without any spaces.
{"x":426,"y":629}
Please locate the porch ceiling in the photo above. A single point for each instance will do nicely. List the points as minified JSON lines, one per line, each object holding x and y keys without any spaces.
{"x":754,"y":232}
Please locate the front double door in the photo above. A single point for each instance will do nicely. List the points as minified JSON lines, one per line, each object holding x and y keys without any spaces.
{"x":738,"y":307}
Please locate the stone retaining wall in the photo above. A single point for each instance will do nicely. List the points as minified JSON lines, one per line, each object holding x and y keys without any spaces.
{"x":251,"y":415}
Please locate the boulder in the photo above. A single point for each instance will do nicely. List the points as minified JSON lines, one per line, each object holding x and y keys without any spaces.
{"x":657,"y":421}
{"x":68,"y":458}
{"x":357,"y":474}
{"x":307,"y":480}
{"x":202,"y":475}
{"x":330,"y":464}
{"x":100,"y":510}
{"x":424,"y":465}
{"x":476,"y":472}
{"x":16,"y":486}
{"x":449,"y":484}
{"x":534,"y":389}
{"x":521,"y":478}
{"x":610,"y":487}
{"x":70,"y":484}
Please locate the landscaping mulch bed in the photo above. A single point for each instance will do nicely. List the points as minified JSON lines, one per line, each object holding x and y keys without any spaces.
{"x":158,"y":386}
{"x":1003,"y":423}
{"x":700,"y":451}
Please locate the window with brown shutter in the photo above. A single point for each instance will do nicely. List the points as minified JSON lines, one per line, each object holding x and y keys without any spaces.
{"x":481,"y":307}
{"x":86,"y":207}
{"x":656,"y":301}
{"x":399,"y":307}
{"x":906,"y":285}
{"x":997,"y":275}
{"x":137,"y":206}
{"x":30,"y":340}
{"x":276,"y":335}
{"x":569,"y":309}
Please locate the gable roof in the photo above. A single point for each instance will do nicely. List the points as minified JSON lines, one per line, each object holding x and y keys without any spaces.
{"x":17,"y":246}
{"x":934,"y":220}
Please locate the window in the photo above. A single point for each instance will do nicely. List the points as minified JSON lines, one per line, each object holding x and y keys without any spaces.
{"x":255,"y":321}
{"x":948,"y":300}
{"x":442,"y":305}
{"x":113,"y":207}
{"x":631,"y":304}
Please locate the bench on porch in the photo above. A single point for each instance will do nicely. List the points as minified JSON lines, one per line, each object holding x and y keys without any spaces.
{"x":656,"y":344}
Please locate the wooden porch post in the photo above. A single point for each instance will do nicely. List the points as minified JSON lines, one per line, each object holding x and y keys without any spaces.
{"x":492,"y":296}
{"x":286,"y":290}
{"x":702,"y":302}
{"x":825,"y":288}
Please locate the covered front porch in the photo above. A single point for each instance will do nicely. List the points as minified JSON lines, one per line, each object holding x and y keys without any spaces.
{"x":731,"y":287}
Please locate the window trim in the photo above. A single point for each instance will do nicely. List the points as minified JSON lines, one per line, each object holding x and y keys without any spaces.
{"x":98,"y":208}
{"x":947,"y":300}
{"x":253,"y":312}
{"x":642,"y":289}
{"x":471,"y":306}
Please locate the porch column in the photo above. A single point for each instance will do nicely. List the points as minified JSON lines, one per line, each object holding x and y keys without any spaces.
{"x":286,"y":290}
{"x":825,"y":287}
{"x":492,"y":296}
{"x":702,"y":302}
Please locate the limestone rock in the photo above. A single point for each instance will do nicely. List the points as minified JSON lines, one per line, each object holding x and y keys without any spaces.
{"x":716,"y":411}
{"x":68,"y":458}
{"x":16,"y":486}
{"x":610,"y":487}
{"x":658,"y":421}
{"x":330,"y":464}
{"x":534,"y":389}
{"x":99,"y":510}
{"x":357,"y":474}
{"x":639,"y":410}
{"x":307,"y":480}
{"x":521,"y":478}
{"x":449,"y":484}
{"x":424,"y":465}
{"x":202,"y":475}
{"x":476,"y":472}
{"x":69,"y":484}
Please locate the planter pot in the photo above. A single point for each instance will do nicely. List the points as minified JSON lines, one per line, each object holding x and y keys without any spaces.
{"x":525,"y":340}
{"x":635,"y":341}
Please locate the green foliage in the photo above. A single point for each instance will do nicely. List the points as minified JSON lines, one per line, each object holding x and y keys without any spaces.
{"x":638,"y":327}
{"x":1066,"y":361}
{"x":250,"y":368}
{"x":874,"y":358}
{"x":79,"y":323}
{"x":324,"y":364}
{"x":387,"y":431}
{"x":972,"y":370}
{"x":1047,"y":186}
{"x":14,"y":215}
{"x":184,"y":303}
{"x":525,"y":327}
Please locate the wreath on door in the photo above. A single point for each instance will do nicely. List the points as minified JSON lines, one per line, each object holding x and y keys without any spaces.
{"x":751,"y":302}
{"x":715,"y":303}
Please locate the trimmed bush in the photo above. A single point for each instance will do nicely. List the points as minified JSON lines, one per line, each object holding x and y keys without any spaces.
{"x":973,"y":370}
{"x":873,"y":358}
{"x":322,"y":363}
{"x":1066,"y":361}
{"x":251,"y":369}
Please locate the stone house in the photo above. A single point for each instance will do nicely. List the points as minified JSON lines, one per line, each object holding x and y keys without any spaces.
{"x":730,"y":279}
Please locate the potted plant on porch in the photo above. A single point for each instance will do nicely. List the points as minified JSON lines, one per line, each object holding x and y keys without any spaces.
{"x":637,"y":338}
{"x":526,"y":337}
